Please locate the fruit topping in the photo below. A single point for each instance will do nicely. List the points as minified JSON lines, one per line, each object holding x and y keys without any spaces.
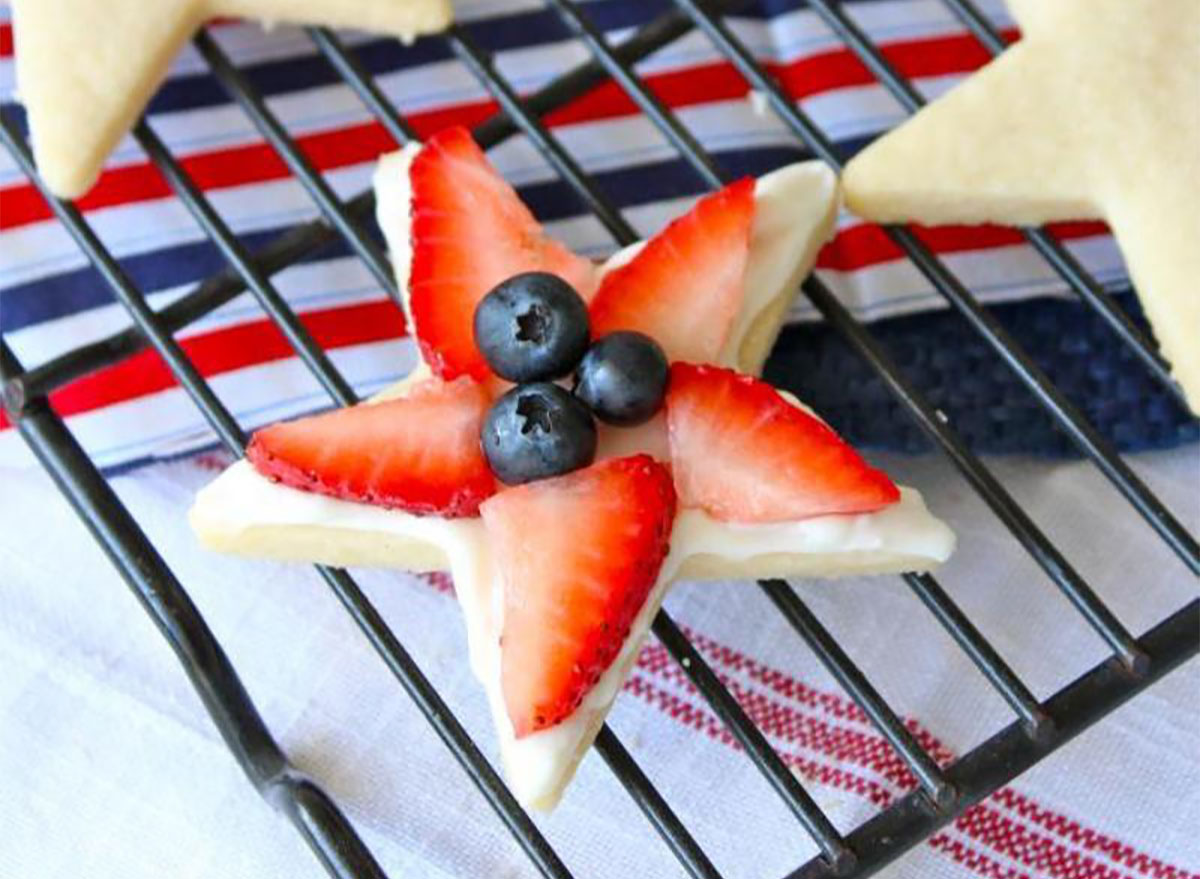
{"x":538,"y":430}
{"x":743,"y":453}
{"x":578,"y":556}
{"x":623,"y":377}
{"x":684,"y":288}
{"x":532,"y":327}
{"x":469,"y":232}
{"x":419,"y":453}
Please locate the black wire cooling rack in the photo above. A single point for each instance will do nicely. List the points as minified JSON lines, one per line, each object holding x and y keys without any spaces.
{"x":942,"y":793}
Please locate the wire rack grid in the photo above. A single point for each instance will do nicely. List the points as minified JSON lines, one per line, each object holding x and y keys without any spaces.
{"x":943,"y":792}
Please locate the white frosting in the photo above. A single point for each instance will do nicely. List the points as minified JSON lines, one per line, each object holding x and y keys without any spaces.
{"x":393,"y":194}
{"x":794,"y":208}
{"x":905,"y":528}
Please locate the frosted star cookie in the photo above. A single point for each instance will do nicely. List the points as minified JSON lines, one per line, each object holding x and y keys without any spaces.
{"x":560,"y":567}
{"x":1093,"y":114}
{"x":85,"y":68}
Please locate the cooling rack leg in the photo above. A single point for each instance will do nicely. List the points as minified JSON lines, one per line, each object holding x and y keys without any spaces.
{"x":323,"y":826}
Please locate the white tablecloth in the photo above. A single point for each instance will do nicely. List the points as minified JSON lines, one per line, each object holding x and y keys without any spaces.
{"x":110,"y":768}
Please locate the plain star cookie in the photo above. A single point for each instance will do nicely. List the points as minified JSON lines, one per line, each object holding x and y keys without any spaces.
{"x":86,"y":69}
{"x":560,"y":576}
{"x":1095,"y":113}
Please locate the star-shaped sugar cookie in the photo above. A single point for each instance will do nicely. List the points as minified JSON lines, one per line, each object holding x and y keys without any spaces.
{"x":1095,"y":113}
{"x":559,"y":578}
{"x":86,"y":68}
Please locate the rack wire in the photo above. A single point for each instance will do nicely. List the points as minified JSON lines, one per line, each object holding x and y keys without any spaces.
{"x":1038,"y":727}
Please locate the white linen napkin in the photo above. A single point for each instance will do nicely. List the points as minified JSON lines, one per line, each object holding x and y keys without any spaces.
{"x":110,"y":767}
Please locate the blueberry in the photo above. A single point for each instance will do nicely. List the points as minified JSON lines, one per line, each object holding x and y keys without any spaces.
{"x":623,"y":377}
{"x":532,"y":327}
{"x":537,"y":430}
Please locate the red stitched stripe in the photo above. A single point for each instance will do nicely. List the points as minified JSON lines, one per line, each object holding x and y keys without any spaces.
{"x":787,"y":686}
{"x":1089,"y":839}
{"x":782,"y":682}
{"x":981,"y":822}
{"x":973,"y":859}
{"x":839,"y":742}
{"x":1040,"y":853}
{"x":701,"y":719}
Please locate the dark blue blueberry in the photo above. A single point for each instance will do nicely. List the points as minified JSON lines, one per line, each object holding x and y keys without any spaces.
{"x":535,"y":431}
{"x":623,"y":378}
{"x":532,"y":327}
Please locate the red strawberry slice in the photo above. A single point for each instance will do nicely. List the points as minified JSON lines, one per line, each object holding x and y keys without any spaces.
{"x":470,"y":231}
{"x":742,"y":453}
{"x":578,"y":555}
{"x":684,"y":288}
{"x":420,"y":453}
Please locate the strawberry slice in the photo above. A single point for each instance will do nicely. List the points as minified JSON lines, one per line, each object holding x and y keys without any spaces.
{"x":419,"y":453}
{"x":684,"y":288}
{"x":578,"y":555}
{"x":469,"y":232}
{"x":743,"y":453}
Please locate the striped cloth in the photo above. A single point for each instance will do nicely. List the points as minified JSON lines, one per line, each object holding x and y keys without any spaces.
{"x":131,"y":412}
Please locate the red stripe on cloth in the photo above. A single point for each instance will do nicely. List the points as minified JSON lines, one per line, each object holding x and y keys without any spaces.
{"x":1089,"y":839}
{"x":973,"y":859}
{"x":789,"y":687}
{"x":802,"y":78}
{"x":657,"y":660}
{"x":805,"y":730}
{"x":232,"y":166}
{"x":862,"y":246}
{"x":701,"y":719}
{"x":654,"y":658}
{"x":887,"y":764}
{"x":982,"y":823}
{"x":6,"y":36}
{"x":1038,"y":852}
{"x":840,"y":68}
{"x":781,"y":682}
{"x":225,"y":350}
{"x":235,"y":166}
{"x":327,"y":150}
{"x":978,"y":823}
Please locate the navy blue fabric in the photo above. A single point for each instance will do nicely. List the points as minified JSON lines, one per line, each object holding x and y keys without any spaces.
{"x":952,"y":366}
